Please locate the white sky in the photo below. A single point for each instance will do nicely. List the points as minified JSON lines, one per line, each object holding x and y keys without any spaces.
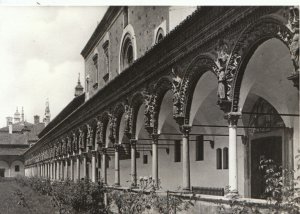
{"x":40,"y":56}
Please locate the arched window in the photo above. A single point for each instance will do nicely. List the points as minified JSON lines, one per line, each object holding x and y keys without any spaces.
{"x":225,"y":158}
{"x":127,"y":53}
{"x":159,"y":35}
{"x":219,"y":158}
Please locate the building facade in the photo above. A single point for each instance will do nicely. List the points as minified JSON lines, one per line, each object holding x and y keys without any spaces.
{"x":15,"y":138}
{"x":196,"y":105}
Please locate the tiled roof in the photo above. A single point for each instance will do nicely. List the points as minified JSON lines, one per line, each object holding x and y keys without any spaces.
{"x":12,"y":151}
{"x":18,"y":136}
{"x":6,"y":138}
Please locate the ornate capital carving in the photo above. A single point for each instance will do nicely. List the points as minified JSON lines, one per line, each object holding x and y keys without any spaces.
{"x":226,"y":64}
{"x":154,"y":138}
{"x":117,"y":147}
{"x":128,"y":120}
{"x":133,"y":142}
{"x":293,"y":25}
{"x":103,"y":150}
{"x":185,"y":130}
{"x":232,"y":118}
{"x":112,"y":128}
{"x":150,"y":102}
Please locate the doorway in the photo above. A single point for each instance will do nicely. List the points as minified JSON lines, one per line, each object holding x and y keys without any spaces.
{"x":268,"y":148}
{"x":2,"y":173}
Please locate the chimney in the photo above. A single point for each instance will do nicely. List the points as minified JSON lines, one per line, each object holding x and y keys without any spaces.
{"x":9,"y":124}
{"x":9,"y":120}
{"x":36,"y":119}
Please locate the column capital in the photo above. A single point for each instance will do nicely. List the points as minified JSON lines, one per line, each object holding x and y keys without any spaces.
{"x":117,"y":147}
{"x":154,"y":137}
{"x":93,"y":152}
{"x":232,"y":118}
{"x":133,"y":142}
{"x":103,"y":150}
{"x":185,"y":130}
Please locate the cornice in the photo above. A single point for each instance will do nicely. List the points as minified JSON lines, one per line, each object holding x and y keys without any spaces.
{"x":102,"y":27}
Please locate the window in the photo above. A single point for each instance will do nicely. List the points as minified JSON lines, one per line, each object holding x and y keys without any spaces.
{"x":125,"y":16}
{"x":159,"y":35}
{"x":127,"y":53}
{"x":177,"y":151}
{"x":106,"y":56}
{"x":17,"y":168}
{"x":145,"y":159}
{"x":219,"y":158}
{"x":225,"y":158}
{"x":95,"y":61}
{"x":199,"y":148}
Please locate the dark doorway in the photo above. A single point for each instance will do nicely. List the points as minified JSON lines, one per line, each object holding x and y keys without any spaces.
{"x":269,"y":148}
{"x":2,"y":173}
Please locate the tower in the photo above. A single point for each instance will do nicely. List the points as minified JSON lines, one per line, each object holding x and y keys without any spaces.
{"x":78,"y":88}
{"x":47,"y":115}
{"x":17,"y":117}
{"x":22,"y":115}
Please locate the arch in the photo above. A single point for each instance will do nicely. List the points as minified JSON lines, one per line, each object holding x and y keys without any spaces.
{"x":162,"y":86}
{"x":128,"y":38}
{"x":249,"y":40}
{"x":104,"y":120}
{"x":136,"y":102}
{"x":159,"y":30}
{"x":118,"y":113}
{"x":198,"y":66}
{"x":159,"y":35}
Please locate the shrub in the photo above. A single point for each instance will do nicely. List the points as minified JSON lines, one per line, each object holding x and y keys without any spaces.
{"x":146,"y":199}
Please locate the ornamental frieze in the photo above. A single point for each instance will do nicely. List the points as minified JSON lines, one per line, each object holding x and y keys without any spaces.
{"x":128,"y":119}
{"x":112,"y":127}
{"x":99,"y":133}
{"x":150,"y":102}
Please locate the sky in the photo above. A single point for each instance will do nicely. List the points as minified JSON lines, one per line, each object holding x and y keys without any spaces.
{"x":40,"y":56}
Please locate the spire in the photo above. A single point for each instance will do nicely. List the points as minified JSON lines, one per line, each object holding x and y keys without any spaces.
{"x":47,"y":116}
{"x":17,"y":116}
{"x":78,"y":88}
{"x":22,"y":115}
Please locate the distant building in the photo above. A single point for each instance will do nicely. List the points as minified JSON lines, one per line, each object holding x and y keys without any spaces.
{"x":15,"y":139}
{"x":47,"y":115}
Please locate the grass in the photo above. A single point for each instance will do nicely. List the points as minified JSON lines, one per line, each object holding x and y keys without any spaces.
{"x":16,"y":199}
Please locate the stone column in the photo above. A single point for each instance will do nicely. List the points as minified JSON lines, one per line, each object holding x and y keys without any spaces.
{"x":66,"y":169}
{"x":71,"y":169}
{"x":117,"y":164}
{"x":133,"y":162}
{"x":84,"y":162}
{"x":155,"y":157}
{"x":57,"y":170}
{"x":186,"y":184}
{"x":94,"y":174}
{"x":104,"y":170}
{"x":78,"y":167}
{"x":232,"y":118}
{"x":62,"y":169}
{"x":50,"y":170}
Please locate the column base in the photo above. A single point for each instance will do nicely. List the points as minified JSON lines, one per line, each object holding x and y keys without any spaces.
{"x":186,"y":189}
{"x":232,"y":195}
{"x":117,"y":185}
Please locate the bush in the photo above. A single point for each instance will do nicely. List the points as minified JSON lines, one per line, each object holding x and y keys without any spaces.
{"x":146,"y":199}
{"x":83,"y":196}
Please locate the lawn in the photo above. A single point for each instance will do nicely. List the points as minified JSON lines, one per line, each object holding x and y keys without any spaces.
{"x":16,"y":199}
